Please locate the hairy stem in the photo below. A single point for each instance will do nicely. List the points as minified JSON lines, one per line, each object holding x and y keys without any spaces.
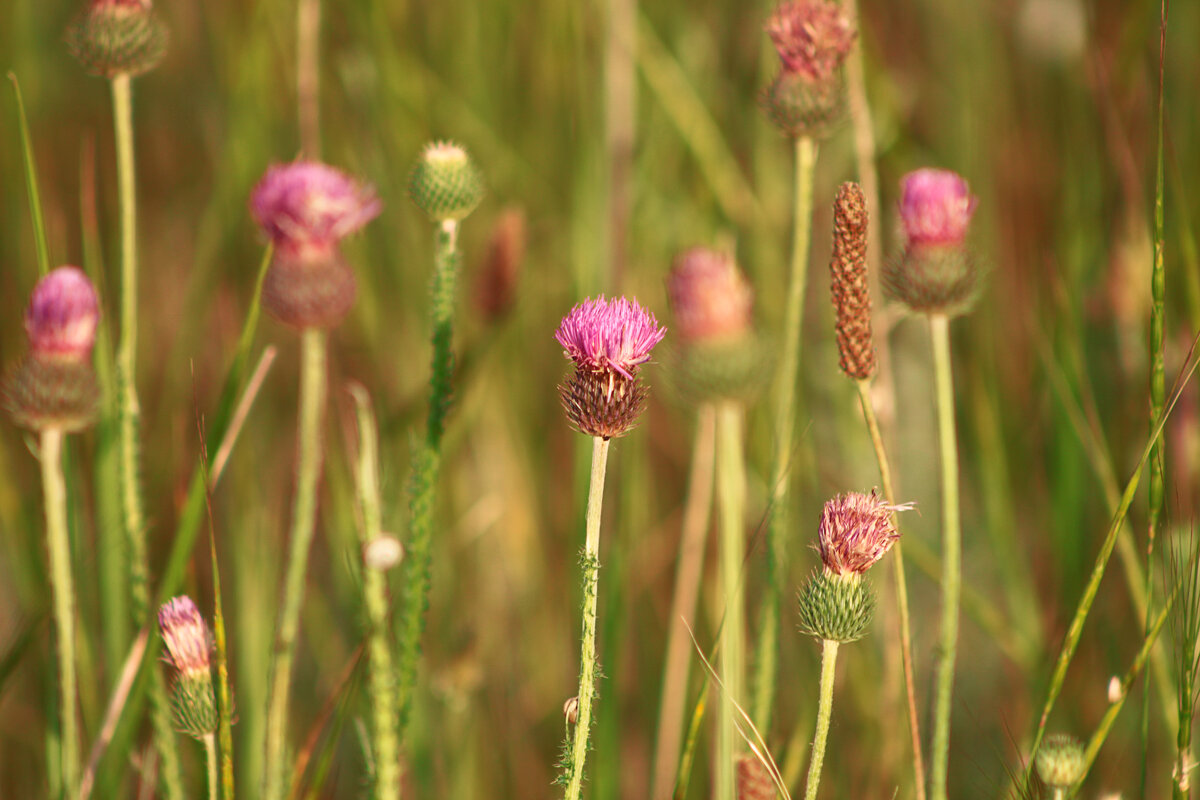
{"x":829,"y":651}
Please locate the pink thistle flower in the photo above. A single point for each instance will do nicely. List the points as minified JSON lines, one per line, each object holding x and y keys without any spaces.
{"x":186,"y":636}
{"x":935,"y":207}
{"x":812,"y":37}
{"x":709,"y":296}
{"x":62,"y":315}
{"x":609,"y":335}
{"x":308,"y":205}
{"x":856,"y":530}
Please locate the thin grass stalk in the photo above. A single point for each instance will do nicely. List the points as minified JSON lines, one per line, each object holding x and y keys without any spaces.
{"x":885,"y":477}
{"x":31,"y":182}
{"x":829,"y":651}
{"x":385,"y":734}
{"x":129,"y":420}
{"x":313,"y":345}
{"x":696,"y":514}
{"x":415,"y":577}
{"x":587,"y":655}
{"x":54,"y":488}
{"x":221,"y":648}
{"x":785,"y":422}
{"x":1186,"y":629}
{"x":731,"y":503}
{"x":939,"y":329}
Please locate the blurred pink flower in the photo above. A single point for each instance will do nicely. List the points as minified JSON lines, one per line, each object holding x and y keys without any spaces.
{"x":186,"y":637}
{"x":605,"y":334}
{"x":935,"y":207}
{"x":62,"y":314}
{"x":709,"y":296}
{"x":307,"y":204}
{"x":856,"y":530}
{"x":812,"y":37}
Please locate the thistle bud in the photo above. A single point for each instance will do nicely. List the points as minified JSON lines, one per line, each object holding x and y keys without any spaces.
{"x":117,"y":37}
{"x":495,"y":290}
{"x":445,"y":182}
{"x":935,"y":273}
{"x":607,"y":341}
{"x":813,"y":39}
{"x":848,"y":283}
{"x":189,"y":648}
{"x":1060,"y":761}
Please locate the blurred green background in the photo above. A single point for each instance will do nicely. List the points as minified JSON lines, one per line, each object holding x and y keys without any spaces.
{"x":1046,"y":106}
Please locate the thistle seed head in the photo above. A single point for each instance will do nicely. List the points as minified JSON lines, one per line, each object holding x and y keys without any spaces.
{"x":1060,"y":761}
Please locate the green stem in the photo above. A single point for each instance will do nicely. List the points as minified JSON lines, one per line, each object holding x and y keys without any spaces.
{"x":587,"y":655}
{"x":423,"y":486}
{"x":312,"y":412}
{"x":829,"y":651}
{"x":939,"y":330}
{"x":58,"y":541}
{"x":129,"y":420}
{"x":885,"y":477}
{"x":731,"y":502}
{"x":385,"y":733}
{"x":31,"y":182}
{"x":785,"y":421}
{"x":210,"y":760}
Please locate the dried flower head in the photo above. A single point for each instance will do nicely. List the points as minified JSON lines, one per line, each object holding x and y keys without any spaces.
{"x":609,"y":335}
{"x":307,"y":205}
{"x":856,"y":530}
{"x":1060,"y":761}
{"x":935,"y":207}
{"x":709,"y":296}
{"x":117,"y":37}
{"x":62,"y":315}
{"x":812,"y":37}
{"x":445,"y":182}
{"x":186,"y":637}
{"x":848,"y":283}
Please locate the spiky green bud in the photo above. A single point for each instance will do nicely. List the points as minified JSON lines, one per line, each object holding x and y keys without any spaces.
{"x":46,"y":393}
{"x":1060,"y":761}
{"x":445,"y":182}
{"x":838,"y":608}
{"x":194,"y":706}
{"x":934,"y":279}
{"x":117,"y":37}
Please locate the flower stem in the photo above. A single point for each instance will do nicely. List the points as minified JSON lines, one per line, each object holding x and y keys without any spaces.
{"x":426,"y":466}
{"x":308,"y":76}
{"x":587,"y":655}
{"x":731,"y":497}
{"x":829,"y":651}
{"x":129,"y":417}
{"x":939,"y":329}
{"x":785,"y":420}
{"x":385,"y":733}
{"x":312,"y":411}
{"x":885,"y":477}
{"x":59,"y":545}
{"x":210,"y":759}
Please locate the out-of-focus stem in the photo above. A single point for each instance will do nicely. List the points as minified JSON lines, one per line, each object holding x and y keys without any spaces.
{"x":731,"y":500}
{"x":696,"y":515}
{"x":313,"y":346}
{"x":308,"y":75}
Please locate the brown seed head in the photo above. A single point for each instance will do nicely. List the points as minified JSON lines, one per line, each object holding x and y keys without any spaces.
{"x":753,"y":780}
{"x":848,"y":283}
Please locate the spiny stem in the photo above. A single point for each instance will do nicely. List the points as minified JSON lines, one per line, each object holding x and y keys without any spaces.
{"x":731,"y":501}
{"x":829,"y":651}
{"x":885,"y":477}
{"x":587,"y":655}
{"x":54,"y":488}
{"x":129,"y":418}
{"x":313,"y":346}
{"x":939,"y":329}
{"x":785,"y":420}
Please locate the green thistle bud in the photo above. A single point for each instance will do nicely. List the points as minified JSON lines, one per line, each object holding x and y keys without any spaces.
{"x":445,"y":182}
{"x":189,"y":646}
{"x":935,"y":279}
{"x":194,"y":706}
{"x":800,"y":106}
{"x":1060,"y":761}
{"x":117,"y":37}
{"x":46,"y":393}
{"x":734,"y":369}
{"x":835,"y":607}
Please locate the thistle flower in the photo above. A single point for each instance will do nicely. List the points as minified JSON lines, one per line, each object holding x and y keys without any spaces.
{"x":306,"y":208}
{"x":445,"y":182}
{"x":935,"y":274}
{"x":189,"y":649}
{"x":117,"y":37}
{"x":848,"y":283}
{"x":54,"y":386}
{"x":813,"y":39}
{"x":709,"y":296}
{"x":607,"y":341}
{"x":1060,"y":761}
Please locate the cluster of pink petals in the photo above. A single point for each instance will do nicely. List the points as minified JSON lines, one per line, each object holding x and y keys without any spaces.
{"x":709,"y":296}
{"x":613,"y":335}
{"x":856,"y":530}
{"x":309,"y":204}
{"x":812,"y":37}
{"x":936,"y":206}
{"x":62,"y":314}
{"x":186,"y":636}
